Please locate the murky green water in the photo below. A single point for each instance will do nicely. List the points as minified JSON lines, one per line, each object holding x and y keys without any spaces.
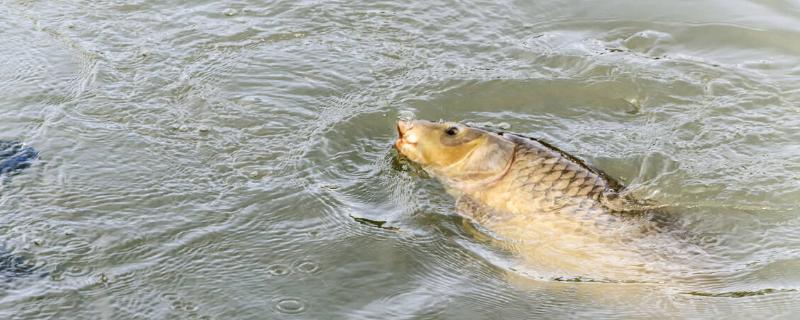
{"x":206,"y":159}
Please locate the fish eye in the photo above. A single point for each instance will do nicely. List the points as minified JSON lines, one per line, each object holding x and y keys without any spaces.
{"x":451,"y":131}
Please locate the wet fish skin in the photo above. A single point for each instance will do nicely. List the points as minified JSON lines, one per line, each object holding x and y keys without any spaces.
{"x":543,"y":179}
{"x":559,"y":215}
{"x":534,"y":178}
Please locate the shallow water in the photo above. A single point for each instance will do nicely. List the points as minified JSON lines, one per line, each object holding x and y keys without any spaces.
{"x":221,"y":160}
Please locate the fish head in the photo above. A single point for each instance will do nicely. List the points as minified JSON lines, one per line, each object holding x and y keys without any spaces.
{"x":454,"y":150}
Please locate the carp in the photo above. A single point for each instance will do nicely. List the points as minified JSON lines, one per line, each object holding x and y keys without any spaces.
{"x":563,"y":218}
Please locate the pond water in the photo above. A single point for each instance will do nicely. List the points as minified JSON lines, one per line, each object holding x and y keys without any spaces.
{"x":233,"y":160}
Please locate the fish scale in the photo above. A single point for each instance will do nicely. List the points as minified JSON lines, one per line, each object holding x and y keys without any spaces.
{"x":544,"y":180}
{"x":557,"y":214}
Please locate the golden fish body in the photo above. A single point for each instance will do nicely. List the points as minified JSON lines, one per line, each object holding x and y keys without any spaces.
{"x":543,"y":180}
{"x":561,"y":217}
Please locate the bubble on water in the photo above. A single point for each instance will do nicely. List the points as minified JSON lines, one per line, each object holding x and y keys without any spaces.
{"x":646,"y":41}
{"x":77,"y":271}
{"x":170,"y":296}
{"x":633,"y":105}
{"x":230,"y":12}
{"x":306,"y":266}
{"x":278,"y":270}
{"x":56,"y":276}
{"x":406,"y":115}
{"x":181,"y":305}
{"x":290,"y":306}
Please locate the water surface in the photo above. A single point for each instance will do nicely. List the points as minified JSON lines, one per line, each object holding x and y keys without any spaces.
{"x":218,"y":159}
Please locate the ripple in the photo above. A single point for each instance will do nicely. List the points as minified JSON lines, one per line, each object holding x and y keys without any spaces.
{"x":77,"y":271}
{"x":198,"y":151}
{"x":306,"y":266}
{"x":290,"y":306}
{"x":278,"y":270}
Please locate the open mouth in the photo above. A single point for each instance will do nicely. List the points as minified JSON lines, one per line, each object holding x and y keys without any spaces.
{"x":402,"y":128}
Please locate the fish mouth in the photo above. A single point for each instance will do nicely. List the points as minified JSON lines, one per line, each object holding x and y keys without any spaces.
{"x":402,"y":128}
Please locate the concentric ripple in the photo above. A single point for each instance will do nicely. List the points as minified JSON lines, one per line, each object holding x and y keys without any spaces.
{"x":233,"y":159}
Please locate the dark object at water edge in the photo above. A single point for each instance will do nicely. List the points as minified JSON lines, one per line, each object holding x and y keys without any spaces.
{"x":15,"y":156}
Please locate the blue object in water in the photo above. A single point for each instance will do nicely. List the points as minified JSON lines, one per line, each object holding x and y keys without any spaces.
{"x":15,"y":156}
